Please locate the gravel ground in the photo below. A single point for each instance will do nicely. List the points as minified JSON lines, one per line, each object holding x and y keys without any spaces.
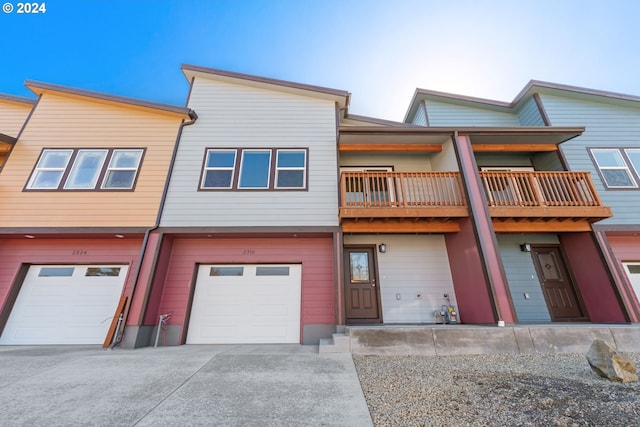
{"x":495,"y":390}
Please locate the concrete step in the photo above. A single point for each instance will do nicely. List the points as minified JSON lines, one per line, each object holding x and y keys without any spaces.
{"x":471,"y":339}
{"x":338,"y":343}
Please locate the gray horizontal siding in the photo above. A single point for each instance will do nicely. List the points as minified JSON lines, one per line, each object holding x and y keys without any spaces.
{"x":529,"y":114}
{"x":443,"y":114}
{"x":240,"y":116}
{"x":606,"y":125}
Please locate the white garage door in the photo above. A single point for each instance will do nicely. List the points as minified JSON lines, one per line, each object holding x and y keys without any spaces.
{"x":234,"y":304}
{"x":65,"y":304}
{"x":633,"y":271}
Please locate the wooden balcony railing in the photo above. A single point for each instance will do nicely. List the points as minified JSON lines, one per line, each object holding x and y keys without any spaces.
{"x":539,"y":189}
{"x":401,"y":190}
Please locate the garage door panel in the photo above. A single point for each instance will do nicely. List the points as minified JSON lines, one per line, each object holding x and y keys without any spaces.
{"x":69,"y":309}
{"x":257,"y":307}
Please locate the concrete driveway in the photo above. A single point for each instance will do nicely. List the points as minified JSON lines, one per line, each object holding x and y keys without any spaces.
{"x":230,"y":385}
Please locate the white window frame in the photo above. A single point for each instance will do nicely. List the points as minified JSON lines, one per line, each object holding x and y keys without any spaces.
{"x":68,"y":185}
{"x":38,"y":169}
{"x":302,"y":169}
{"x":215,"y":168}
{"x":242,"y":161}
{"x":111,"y":168}
{"x":624,"y":167}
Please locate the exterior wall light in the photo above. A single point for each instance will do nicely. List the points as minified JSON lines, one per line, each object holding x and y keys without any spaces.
{"x":525,"y":247}
{"x":382,"y":248}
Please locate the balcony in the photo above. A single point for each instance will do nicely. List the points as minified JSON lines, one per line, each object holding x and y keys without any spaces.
{"x":398,"y":202}
{"x":542,"y":201}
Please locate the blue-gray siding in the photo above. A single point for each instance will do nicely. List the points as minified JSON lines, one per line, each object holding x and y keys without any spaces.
{"x":445,"y":114}
{"x":607,"y":125}
{"x":522,"y":276}
{"x":529,"y":114}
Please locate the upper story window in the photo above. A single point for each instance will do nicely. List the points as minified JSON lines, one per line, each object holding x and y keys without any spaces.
{"x":86,"y":169}
{"x":255,"y":169}
{"x":618,"y":167}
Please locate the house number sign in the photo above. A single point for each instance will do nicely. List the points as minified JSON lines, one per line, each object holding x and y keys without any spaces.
{"x":248,"y":252}
{"x":80,"y":252}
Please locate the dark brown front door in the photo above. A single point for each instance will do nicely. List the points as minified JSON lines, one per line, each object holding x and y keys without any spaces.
{"x":557,"y":287}
{"x":361,"y":287}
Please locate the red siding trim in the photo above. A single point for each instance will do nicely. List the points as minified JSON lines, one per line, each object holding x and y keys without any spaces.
{"x":472,"y":295}
{"x":315,"y":255}
{"x":591,"y":277}
{"x":16,"y":252}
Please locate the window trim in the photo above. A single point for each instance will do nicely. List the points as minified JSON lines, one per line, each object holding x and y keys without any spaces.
{"x":235,"y":187}
{"x":302,"y":169}
{"x":36,"y":170}
{"x":206,"y":168}
{"x":628,"y":167}
{"x":99,"y":185}
{"x":108,"y":168}
{"x":75,"y":157}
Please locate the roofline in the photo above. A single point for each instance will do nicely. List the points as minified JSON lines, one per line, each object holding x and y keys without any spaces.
{"x":469,"y":130}
{"x":31,"y":84}
{"x":576,"y":89}
{"x":377,"y":121}
{"x":267,"y":80}
{"x":19,"y":99}
{"x":531,"y":85}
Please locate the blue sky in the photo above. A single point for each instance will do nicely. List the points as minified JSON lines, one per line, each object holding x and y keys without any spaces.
{"x":380,"y":51}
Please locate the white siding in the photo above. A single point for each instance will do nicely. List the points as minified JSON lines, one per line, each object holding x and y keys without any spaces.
{"x":443,"y":114}
{"x":412,"y":266}
{"x":606,"y":125}
{"x":241,"y":116}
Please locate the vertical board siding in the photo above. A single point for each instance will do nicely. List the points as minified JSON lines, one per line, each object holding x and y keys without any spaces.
{"x":529,"y":114}
{"x":412,"y":265}
{"x":12,"y":117}
{"x":522,"y":277}
{"x":239,"y":116}
{"x":413,"y":162}
{"x":445,"y":114}
{"x":606,"y":125}
{"x":315,"y":255}
{"x":61,"y":122}
{"x":14,"y":253}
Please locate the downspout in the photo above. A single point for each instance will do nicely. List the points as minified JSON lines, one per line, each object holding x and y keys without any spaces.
{"x":145,"y":240}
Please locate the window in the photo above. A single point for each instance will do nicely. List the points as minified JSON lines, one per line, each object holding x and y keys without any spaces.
{"x":226,"y":271}
{"x":86,"y":169}
{"x":614,"y":167}
{"x":254,"y":169}
{"x":122,"y":169}
{"x":290,"y":169}
{"x":56,"y":272}
{"x":50,"y":169}
{"x":102,"y":272}
{"x":219,"y":168}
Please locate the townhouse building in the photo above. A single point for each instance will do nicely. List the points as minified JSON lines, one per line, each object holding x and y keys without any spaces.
{"x":81,"y":188}
{"x":264,"y":212}
{"x":545,"y":204}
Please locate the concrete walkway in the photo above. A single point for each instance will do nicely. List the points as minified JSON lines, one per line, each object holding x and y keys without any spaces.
{"x":213,"y":385}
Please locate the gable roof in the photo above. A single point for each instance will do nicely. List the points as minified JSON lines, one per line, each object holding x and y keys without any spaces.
{"x":534,"y":86}
{"x":40,"y":88}
{"x":342,"y":97}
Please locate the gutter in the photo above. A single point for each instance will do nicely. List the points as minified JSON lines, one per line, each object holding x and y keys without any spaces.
{"x":145,"y":240}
